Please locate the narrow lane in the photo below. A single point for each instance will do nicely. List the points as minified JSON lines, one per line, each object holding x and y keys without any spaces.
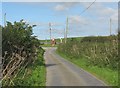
{"x":61,"y":72}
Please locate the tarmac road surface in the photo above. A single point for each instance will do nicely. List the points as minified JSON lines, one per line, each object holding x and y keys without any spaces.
{"x":61,"y":72}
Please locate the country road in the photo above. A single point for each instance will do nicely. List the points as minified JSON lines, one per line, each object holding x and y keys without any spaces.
{"x":61,"y":72}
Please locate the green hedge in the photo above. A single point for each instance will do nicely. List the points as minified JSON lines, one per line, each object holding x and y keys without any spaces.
{"x":99,"y":51}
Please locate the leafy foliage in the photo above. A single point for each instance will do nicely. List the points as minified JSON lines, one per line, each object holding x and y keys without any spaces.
{"x":19,"y":49}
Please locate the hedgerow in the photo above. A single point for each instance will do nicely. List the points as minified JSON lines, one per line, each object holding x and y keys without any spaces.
{"x":98,"y":51}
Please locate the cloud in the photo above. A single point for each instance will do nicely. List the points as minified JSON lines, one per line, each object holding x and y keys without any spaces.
{"x":56,"y":24}
{"x":115,"y":17}
{"x":108,"y":11}
{"x":60,"y":8}
{"x":101,"y":8}
{"x":77,"y":24}
{"x":76,"y":19}
{"x":65,"y":6}
{"x":45,"y":24}
{"x":102,"y":11}
{"x":38,"y":23}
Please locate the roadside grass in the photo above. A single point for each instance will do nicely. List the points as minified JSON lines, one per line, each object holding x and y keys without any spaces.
{"x":108,"y":76}
{"x":33,"y":75}
{"x":37,"y":77}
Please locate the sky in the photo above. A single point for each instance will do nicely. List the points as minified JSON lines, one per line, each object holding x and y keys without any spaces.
{"x":95,"y":21}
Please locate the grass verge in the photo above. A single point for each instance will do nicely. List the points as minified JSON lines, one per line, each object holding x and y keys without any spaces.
{"x":37,"y":74}
{"x":33,"y":75}
{"x":109,"y":76}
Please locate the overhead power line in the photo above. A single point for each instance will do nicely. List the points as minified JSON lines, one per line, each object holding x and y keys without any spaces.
{"x":87,"y":7}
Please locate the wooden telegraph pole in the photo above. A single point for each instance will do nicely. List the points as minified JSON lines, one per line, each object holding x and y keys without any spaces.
{"x":66,"y":32}
{"x":50,"y":30}
{"x":110,"y":26}
{"x":5,"y":19}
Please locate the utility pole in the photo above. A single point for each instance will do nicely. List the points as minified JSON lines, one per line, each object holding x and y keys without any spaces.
{"x":64,"y":35}
{"x":110,"y":26}
{"x":66,"y":32}
{"x":50,"y":30}
{"x":46,"y":41}
{"x":5,"y":19}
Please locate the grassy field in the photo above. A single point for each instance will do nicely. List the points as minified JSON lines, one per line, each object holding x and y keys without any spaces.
{"x":109,"y":76}
{"x":47,"y":43}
